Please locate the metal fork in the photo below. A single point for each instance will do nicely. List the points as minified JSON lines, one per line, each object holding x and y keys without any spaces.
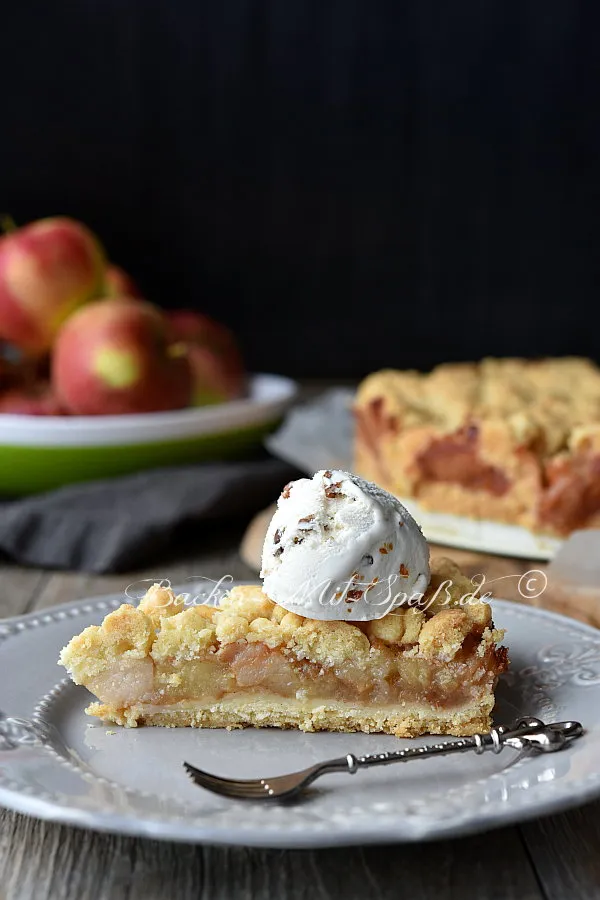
{"x":525,"y":734}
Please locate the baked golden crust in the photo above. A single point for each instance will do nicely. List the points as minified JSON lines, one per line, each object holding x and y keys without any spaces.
{"x":270,"y":711}
{"x":482,"y":439}
{"x":162,"y":664}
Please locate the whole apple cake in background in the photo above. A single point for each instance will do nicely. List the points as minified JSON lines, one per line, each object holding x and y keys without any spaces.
{"x":510,"y":440}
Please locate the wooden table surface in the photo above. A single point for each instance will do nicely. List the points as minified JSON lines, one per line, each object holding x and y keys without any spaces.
{"x":555,"y":857}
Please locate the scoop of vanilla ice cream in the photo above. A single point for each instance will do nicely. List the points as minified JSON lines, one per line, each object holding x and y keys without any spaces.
{"x":342,"y":548}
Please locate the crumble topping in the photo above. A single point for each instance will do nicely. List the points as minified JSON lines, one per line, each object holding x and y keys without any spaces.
{"x":403,"y":626}
{"x":184,"y":635}
{"x":249,"y":601}
{"x":443,"y":635}
{"x":159,"y":602}
{"x":270,"y":633}
{"x":289,"y":623}
{"x":230,"y":627}
{"x":541,"y":401}
{"x":449,"y":587}
{"x":127,"y":632}
{"x":161,"y":630}
{"x":511,"y":440}
{"x":585,"y":439}
{"x":329,"y":643}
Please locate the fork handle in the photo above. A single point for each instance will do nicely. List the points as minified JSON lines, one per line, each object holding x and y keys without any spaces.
{"x":524,"y":734}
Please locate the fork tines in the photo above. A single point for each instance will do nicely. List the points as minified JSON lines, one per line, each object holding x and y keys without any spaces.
{"x":252,"y":789}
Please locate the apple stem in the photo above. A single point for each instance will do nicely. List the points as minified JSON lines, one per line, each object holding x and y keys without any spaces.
{"x":7,"y":223}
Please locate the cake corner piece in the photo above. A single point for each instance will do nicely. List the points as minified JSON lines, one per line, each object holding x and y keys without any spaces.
{"x":512,"y":440}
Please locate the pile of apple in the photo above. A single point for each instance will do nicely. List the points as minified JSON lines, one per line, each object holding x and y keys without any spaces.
{"x":77,"y":338}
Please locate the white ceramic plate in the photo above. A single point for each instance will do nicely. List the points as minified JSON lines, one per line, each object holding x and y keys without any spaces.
{"x":68,"y":768}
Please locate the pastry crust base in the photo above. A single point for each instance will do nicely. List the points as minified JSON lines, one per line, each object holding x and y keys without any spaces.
{"x":270,"y":711}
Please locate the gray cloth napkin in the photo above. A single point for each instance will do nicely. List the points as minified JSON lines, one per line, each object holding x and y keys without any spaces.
{"x":122,"y":523}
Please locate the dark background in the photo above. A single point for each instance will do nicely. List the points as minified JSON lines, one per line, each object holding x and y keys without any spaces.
{"x":348,"y":184}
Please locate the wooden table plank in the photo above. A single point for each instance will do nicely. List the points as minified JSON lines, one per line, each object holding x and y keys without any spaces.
{"x":73,"y":586}
{"x":40,"y":860}
{"x":22,"y":590}
{"x":19,"y":589}
{"x":565,"y":851}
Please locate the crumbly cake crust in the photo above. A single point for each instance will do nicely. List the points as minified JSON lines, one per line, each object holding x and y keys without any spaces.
{"x":512,"y":440}
{"x":140,"y":662}
{"x":271,"y":711}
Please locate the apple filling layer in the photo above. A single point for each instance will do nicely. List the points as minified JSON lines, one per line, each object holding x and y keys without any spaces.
{"x":248,"y":671}
{"x":431,"y":667}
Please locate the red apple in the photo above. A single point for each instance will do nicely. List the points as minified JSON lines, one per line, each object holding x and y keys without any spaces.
{"x":198,"y":328}
{"x":23,"y":373}
{"x":214,"y":356}
{"x":119,"y":283}
{"x":10,"y":375}
{"x":212,"y":382}
{"x":36,"y":400}
{"x":47,"y":269}
{"x":114,"y":356}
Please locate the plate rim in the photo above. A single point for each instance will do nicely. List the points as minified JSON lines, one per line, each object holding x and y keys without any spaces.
{"x":580,"y":792}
